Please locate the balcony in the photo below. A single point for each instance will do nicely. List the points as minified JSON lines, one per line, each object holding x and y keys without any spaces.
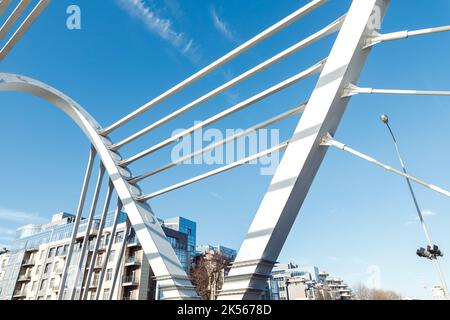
{"x":28,"y":263}
{"x":54,"y":288}
{"x":133,"y":242}
{"x":129,"y":281}
{"x":94,"y":284}
{"x":58,"y":270}
{"x":82,"y":229}
{"x":24,"y":277}
{"x":132,"y":261}
{"x":19,"y":293}
{"x":98,"y":265}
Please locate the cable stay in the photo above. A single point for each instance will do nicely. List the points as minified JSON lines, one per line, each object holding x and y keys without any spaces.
{"x":220,"y":143}
{"x":238,"y":107}
{"x":329,"y":141}
{"x":378,"y":38}
{"x":24,"y":26}
{"x":352,"y":90}
{"x":217,"y":171}
{"x":328,"y":30}
{"x":280,"y":25}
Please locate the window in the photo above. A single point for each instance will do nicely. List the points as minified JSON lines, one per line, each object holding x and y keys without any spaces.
{"x":109,"y":274}
{"x":52,"y":283}
{"x":38,"y":269}
{"x":34,"y":286}
{"x":111,"y":256}
{"x":49,"y":298}
{"x":51,"y":253}
{"x":106,"y":294}
{"x":99,"y":261}
{"x":43,"y":285}
{"x":119,"y":236}
{"x":42,"y":255}
{"x":66,"y":248}
{"x":48,"y":268}
{"x":60,"y":251}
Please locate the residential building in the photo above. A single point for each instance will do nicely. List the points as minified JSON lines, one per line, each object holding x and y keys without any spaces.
{"x":189,"y":228}
{"x":212,"y":264}
{"x":35,"y":264}
{"x":290,"y":274}
{"x":307,"y":283}
{"x":4,"y":257}
{"x":228,"y":253}
{"x":438,"y":293}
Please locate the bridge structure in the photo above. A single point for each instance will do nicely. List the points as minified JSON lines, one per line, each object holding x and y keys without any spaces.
{"x":357,"y":33}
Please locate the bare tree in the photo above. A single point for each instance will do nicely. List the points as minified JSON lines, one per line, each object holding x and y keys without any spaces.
{"x":362,"y":292}
{"x":209,"y":274}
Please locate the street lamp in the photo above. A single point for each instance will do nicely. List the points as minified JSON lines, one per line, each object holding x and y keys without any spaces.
{"x":432,"y":252}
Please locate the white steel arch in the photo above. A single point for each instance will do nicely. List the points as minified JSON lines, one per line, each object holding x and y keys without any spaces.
{"x":337,"y":84}
{"x":172,"y":279}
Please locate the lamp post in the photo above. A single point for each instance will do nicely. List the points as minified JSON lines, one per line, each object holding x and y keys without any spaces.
{"x":432,"y":252}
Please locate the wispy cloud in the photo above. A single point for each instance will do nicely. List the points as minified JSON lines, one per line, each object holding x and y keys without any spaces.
{"x":221,"y":25}
{"x":333,"y":258}
{"x":6,"y":236}
{"x":162,"y":27}
{"x":215,"y":195}
{"x":174,"y":7}
{"x":20,"y":217}
{"x":425,"y":214}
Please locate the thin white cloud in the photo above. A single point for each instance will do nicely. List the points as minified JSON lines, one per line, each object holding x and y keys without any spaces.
{"x":162,"y":27}
{"x":20,"y":217}
{"x":215,"y":195}
{"x":333,"y":258}
{"x":174,"y":7}
{"x":221,"y":25}
{"x":6,"y":235}
{"x":425,"y":214}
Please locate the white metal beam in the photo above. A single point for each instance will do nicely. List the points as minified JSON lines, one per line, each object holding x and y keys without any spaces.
{"x":13,"y":17}
{"x":328,"y":140}
{"x":280,"y":25}
{"x":405,"y":34}
{"x":76,"y":224}
{"x":217,"y":144}
{"x":26,"y":24}
{"x":236,"y":108}
{"x":217,"y":171}
{"x":108,"y":249}
{"x":174,"y":281}
{"x":295,"y":174}
{"x":333,"y":27}
{"x":352,"y":90}
{"x":97,"y":241}
{"x":4,"y":5}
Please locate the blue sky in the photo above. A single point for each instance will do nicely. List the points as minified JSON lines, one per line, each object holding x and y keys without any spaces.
{"x":356,"y":215}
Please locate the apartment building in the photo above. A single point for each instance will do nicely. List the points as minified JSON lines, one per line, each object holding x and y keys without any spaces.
{"x":307,"y":283}
{"x":4,"y":257}
{"x":36,"y":262}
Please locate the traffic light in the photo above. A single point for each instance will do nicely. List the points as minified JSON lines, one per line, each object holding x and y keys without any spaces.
{"x":431,"y":252}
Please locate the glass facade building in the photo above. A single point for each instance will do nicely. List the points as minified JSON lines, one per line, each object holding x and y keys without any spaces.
{"x":189,"y":228}
{"x":45,"y":243}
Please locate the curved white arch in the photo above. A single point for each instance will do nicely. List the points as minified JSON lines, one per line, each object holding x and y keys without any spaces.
{"x":172,"y":279}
